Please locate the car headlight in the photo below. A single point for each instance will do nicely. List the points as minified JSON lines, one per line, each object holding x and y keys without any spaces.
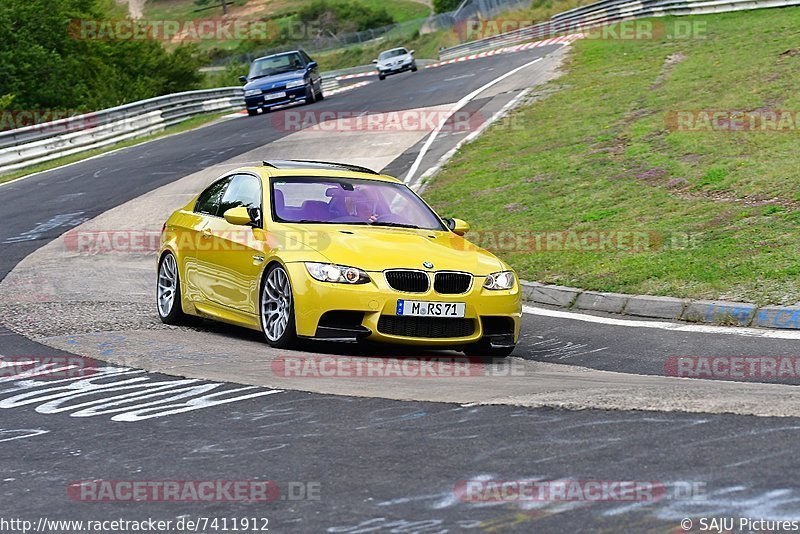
{"x":252,"y":92}
{"x":296,"y":83}
{"x":339,"y":274}
{"x":499,"y":281}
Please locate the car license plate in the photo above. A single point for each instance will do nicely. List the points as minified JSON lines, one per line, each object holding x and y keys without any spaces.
{"x":274,"y":96}
{"x":417,"y":308}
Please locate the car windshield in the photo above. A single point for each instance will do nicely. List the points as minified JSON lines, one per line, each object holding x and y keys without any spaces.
{"x":269,"y":66}
{"x":393,"y":53}
{"x":350,"y":201}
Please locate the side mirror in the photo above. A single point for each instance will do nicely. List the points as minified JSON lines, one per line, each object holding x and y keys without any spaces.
{"x":457,"y":226}
{"x":243,"y":79}
{"x":413,"y":52}
{"x":375,"y":61}
{"x":238,"y":216}
{"x":313,"y":65}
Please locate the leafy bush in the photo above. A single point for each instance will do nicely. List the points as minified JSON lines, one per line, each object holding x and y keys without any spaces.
{"x":443,"y":6}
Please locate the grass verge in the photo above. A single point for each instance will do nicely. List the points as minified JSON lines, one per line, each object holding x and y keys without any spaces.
{"x":189,"y":124}
{"x":600,"y":153}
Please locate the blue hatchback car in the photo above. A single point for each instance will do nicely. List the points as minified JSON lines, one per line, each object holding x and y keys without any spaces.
{"x":281,"y":79}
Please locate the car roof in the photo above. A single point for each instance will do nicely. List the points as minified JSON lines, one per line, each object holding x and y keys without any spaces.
{"x":273,"y":168}
{"x":277,"y":54}
{"x":393,"y":49}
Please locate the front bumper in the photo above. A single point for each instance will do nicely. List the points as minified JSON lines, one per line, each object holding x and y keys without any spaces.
{"x":395,"y":69}
{"x":268,"y":99}
{"x":484,"y":308}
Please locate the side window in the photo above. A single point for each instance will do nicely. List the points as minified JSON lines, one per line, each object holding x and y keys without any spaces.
{"x":245,"y":190}
{"x":209,"y":200}
{"x":305,"y":57}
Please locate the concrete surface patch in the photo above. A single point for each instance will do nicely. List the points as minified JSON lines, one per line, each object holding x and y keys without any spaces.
{"x":560,"y":296}
{"x":655,"y":307}
{"x":604,"y":302}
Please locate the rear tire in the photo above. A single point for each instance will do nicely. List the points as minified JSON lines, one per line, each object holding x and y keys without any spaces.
{"x":276,"y":309}
{"x":168,"y":292}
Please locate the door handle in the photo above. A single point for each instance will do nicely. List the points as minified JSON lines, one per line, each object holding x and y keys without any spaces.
{"x":205,"y":234}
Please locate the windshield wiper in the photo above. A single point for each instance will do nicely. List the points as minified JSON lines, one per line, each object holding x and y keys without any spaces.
{"x":309,"y":221}
{"x":395,"y":225}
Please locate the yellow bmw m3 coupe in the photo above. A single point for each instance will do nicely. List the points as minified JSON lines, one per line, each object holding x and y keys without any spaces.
{"x":302,"y":249}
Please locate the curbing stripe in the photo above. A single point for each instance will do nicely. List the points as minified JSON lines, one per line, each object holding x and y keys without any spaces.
{"x":715,"y":312}
{"x":567,"y":39}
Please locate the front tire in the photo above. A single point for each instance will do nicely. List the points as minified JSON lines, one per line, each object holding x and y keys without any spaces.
{"x":252,"y":112}
{"x":414,"y":67}
{"x":311,"y":96}
{"x":168,"y":292}
{"x":381,"y":77}
{"x":277,"y":309}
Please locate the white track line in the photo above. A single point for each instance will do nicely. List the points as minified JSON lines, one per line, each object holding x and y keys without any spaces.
{"x":471,"y":137}
{"x":661,"y":325}
{"x":459,"y":105}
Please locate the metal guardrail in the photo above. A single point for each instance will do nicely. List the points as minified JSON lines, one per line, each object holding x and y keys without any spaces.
{"x":605,"y":12}
{"x":39,"y":143}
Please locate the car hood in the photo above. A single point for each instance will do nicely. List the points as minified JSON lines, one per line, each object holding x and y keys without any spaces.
{"x":393,"y":60}
{"x":269,"y":82}
{"x":377,"y":249}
